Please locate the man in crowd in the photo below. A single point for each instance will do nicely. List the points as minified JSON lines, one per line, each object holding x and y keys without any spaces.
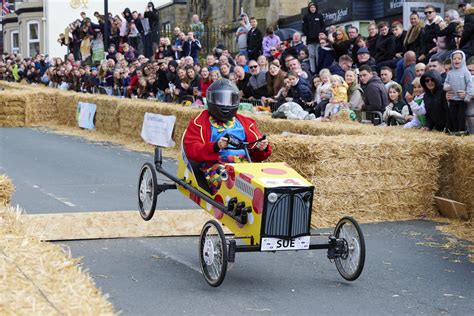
{"x":353,"y":33}
{"x":344,"y":64}
{"x":431,"y":30}
{"x":242,"y":82}
{"x":241,"y":34}
{"x":409,"y":60}
{"x":364,"y":58}
{"x":386,"y":75}
{"x":313,"y":26}
{"x":191,"y":47}
{"x":375,"y":94}
{"x":296,"y":45}
{"x":438,"y":65}
{"x":257,"y":81}
{"x":254,"y":40}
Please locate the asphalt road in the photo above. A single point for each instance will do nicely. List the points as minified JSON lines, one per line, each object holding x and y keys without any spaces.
{"x":406,"y":271}
{"x":57,"y":173}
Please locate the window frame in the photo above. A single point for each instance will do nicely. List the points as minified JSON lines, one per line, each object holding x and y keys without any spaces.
{"x":29,"y":40}
{"x":15,"y":50}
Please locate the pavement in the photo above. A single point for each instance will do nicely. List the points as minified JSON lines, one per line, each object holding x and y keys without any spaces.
{"x":407,"y":270}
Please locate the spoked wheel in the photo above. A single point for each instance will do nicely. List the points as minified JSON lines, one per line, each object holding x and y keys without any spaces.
{"x":213,"y":253}
{"x":352,"y":259}
{"x":147,"y":191}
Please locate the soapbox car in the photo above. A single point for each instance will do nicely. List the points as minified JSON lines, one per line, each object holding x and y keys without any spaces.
{"x":267,"y":207}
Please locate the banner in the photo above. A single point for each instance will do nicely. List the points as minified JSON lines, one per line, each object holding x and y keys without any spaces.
{"x":157,"y":129}
{"x":85,"y":114}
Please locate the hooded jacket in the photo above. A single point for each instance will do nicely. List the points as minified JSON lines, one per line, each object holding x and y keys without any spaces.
{"x":313,"y":24}
{"x":459,"y":79}
{"x":435,"y":101}
{"x":431,"y":31}
{"x":375,"y":95}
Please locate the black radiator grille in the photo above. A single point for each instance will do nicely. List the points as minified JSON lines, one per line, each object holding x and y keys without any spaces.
{"x":290,"y":215}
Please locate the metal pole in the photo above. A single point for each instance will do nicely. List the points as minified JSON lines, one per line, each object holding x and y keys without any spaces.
{"x":106,"y":25}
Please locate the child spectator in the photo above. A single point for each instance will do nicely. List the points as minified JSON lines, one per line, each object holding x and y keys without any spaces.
{"x":459,"y":82}
{"x":339,"y":96}
{"x":417,"y":105}
{"x":323,"y":92}
{"x":397,"y":111}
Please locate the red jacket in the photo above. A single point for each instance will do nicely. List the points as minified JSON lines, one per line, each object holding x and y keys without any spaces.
{"x":197,"y":139}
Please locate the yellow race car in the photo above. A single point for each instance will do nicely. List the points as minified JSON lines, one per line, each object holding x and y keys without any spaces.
{"x":267,"y":207}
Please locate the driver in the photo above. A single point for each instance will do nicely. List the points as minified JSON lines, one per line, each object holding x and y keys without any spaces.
{"x":205,"y":140}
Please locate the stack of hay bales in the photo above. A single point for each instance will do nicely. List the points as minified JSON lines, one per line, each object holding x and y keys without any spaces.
{"x":39,"y":278}
{"x":368,"y":177}
{"x":12,"y":109}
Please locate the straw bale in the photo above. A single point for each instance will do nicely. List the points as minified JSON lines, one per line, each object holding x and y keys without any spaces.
{"x":118,"y":224}
{"x":41,"y":278}
{"x":6,"y":189}
{"x":368,"y":177}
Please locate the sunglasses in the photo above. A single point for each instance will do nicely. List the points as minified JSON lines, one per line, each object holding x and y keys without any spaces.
{"x":429,"y":80}
{"x":253,"y":67}
{"x":428,"y":12}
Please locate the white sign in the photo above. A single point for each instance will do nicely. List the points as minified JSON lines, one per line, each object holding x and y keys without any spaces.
{"x":85,"y":114}
{"x":158,"y":129}
{"x":276,"y":244}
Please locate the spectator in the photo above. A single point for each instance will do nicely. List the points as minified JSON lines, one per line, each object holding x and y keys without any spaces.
{"x":431,"y":31}
{"x":191,"y":47}
{"x":354,"y":92}
{"x":300,"y":92}
{"x":459,"y":82}
{"x":435,"y":101}
{"x":344,"y":64}
{"x":341,"y":43}
{"x":313,"y":26}
{"x":254,"y":40}
{"x":452,"y":19}
{"x":241,"y":34}
{"x":375,"y":94}
{"x":397,"y":111}
{"x":353,"y":34}
{"x":364,"y":58}
{"x":417,"y":105}
{"x":242,"y":62}
{"x":295,"y":66}
{"x":466,"y":43}
{"x":303,"y":57}
{"x":205,"y":81}
{"x":373,"y":38}
{"x":151,"y":13}
{"x":386,"y":75}
{"x":262,"y":63}
{"x":409,"y":60}
{"x":178,"y":43}
{"x":339,"y":96}
{"x":325,"y":55}
{"x":269,"y":41}
{"x":275,"y":81}
{"x":242,"y":82}
{"x":414,"y":38}
{"x":197,"y":27}
{"x":212,"y":63}
{"x":385,"y":46}
{"x":420,"y":69}
{"x":438,"y":65}
{"x":296,"y":45}
{"x":440,"y":50}
{"x":225,"y":71}
{"x":257,"y":81}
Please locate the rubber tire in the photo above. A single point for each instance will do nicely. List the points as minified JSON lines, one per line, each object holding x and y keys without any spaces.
{"x":338,"y":261}
{"x":154,"y":194}
{"x":220,"y":278}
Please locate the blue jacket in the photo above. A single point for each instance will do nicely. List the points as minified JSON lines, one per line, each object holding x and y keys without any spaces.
{"x":301,"y":92}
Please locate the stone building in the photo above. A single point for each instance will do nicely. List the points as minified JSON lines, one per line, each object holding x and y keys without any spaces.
{"x":172,"y":14}
{"x":221,"y":16}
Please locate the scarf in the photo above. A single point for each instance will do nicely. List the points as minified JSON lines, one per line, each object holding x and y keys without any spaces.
{"x":413,"y":34}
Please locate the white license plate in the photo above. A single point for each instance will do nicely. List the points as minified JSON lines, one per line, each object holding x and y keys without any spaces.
{"x":276,"y":244}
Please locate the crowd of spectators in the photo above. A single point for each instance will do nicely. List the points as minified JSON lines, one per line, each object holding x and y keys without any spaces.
{"x":416,"y":78}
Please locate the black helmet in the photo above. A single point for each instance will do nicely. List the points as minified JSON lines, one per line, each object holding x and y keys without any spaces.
{"x":223,"y":99}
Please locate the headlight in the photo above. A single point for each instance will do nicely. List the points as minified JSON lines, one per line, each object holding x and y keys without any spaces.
{"x":272,"y":197}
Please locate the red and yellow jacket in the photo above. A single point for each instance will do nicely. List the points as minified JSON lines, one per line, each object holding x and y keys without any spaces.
{"x":197,"y":139}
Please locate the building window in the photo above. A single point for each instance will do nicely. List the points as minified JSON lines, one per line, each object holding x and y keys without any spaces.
{"x":262,"y":3}
{"x":15,"y":42}
{"x":33,"y":38}
{"x":167,"y":27}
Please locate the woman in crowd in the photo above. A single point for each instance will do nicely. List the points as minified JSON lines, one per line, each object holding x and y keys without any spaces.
{"x":435,"y":101}
{"x":275,"y":81}
{"x":341,"y":43}
{"x":354,"y":92}
{"x":263,"y":63}
{"x":205,"y":81}
{"x":225,"y":70}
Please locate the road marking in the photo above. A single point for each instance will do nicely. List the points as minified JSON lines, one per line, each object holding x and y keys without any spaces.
{"x":60,"y":199}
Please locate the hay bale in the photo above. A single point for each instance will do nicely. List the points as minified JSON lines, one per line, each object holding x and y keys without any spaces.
{"x":39,"y":278}
{"x":368,"y":177}
{"x":6,"y":189}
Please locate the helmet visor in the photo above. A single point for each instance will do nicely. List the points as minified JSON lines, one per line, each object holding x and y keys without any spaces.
{"x":224,"y":98}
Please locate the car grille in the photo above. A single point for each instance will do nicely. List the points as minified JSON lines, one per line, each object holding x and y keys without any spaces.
{"x":290,"y":215}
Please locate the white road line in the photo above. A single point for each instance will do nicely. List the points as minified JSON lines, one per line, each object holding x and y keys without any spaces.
{"x":60,"y":199}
